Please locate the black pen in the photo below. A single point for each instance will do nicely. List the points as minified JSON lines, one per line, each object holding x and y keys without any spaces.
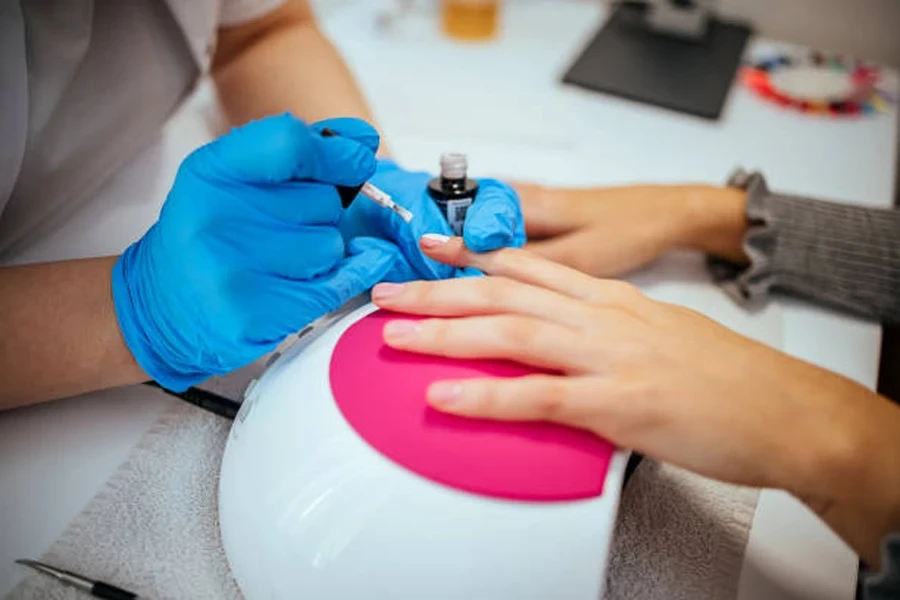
{"x":97,"y":589}
{"x":214,"y":403}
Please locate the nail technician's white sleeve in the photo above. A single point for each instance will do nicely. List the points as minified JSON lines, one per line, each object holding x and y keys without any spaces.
{"x":14,"y":99}
{"x":235,"y":12}
{"x":103,"y":78}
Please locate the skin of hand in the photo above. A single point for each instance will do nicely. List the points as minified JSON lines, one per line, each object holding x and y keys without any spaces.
{"x":606,"y":232}
{"x":658,"y":378}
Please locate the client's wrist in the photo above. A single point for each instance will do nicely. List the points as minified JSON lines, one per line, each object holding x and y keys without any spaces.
{"x":878,"y":485}
{"x":714,"y":221}
{"x":852,"y":477}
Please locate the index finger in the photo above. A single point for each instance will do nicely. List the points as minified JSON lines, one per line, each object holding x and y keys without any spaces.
{"x":527,"y":267}
{"x":282,"y":148}
{"x":338,"y":161}
{"x":351,"y":128}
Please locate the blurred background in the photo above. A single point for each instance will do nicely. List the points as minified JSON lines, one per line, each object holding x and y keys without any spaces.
{"x":864,"y":28}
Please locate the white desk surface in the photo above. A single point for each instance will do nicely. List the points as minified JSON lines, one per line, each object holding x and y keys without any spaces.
{"x":502,"y":103}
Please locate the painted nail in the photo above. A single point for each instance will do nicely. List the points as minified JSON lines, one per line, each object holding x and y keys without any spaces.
{"x":400,"y":330}
{"x":444,"y":393}
{"x":433,"y":240}
{"x":386,"y":290}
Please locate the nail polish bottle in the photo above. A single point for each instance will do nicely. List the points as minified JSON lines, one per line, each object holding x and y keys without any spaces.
{"x":453,"y":191}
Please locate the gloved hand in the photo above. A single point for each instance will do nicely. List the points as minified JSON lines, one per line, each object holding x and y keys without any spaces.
{"x":492,"y":222}
{"x":247,"y":249}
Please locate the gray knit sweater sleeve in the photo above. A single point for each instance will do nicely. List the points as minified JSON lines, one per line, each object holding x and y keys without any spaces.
{"x":843,"y":256}
{"x":884,"y":585}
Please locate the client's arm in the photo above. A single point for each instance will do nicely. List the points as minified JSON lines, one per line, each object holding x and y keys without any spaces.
{"x":657,"y":378}
{"x":758,"y":241}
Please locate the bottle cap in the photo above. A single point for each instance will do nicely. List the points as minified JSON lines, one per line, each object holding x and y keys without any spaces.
{"x":454,"y":165}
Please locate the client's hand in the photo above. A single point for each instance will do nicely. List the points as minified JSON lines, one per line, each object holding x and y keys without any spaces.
{"x":655,"y":377}
{"x":610,"y":231}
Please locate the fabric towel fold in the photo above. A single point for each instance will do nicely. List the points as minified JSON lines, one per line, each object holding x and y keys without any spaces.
{"x":679,"y":536}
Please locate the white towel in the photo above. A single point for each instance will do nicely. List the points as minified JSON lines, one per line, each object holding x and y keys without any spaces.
{"x":679,"y":537}
{"x":154,"y":530}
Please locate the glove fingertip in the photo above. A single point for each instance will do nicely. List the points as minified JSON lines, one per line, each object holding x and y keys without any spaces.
{"x":478,"y":241}
{"x":495,"y":220}
{"x":340,"y":161}
{"x":352,"y":128}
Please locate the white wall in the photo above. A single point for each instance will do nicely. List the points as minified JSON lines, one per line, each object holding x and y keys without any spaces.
{"x":868,"y":29}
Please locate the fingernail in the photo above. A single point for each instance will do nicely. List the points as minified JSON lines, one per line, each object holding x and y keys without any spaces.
{"x":433,"y":240}
{"x":386,"y":290}
{"x":444,"y":393}
{"x":399,"y":330}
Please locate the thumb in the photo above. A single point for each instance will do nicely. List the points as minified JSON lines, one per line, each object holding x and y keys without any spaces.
{"x":495,"y":219}
{"x":281,"y":148}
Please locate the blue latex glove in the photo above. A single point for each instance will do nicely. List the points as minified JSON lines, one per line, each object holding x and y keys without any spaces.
{"x":247,"y":249}
{"x":493,"y":221}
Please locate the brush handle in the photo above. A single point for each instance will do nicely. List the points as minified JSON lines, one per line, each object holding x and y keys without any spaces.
{"x":346,"y":192}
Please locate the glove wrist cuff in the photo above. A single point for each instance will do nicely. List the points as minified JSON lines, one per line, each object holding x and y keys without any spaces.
{"x":137,"y":341}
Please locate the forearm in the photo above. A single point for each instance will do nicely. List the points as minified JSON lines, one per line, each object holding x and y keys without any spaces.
{"x":840,"y":255}
{"x":60,"y":333}
{"x":283,"y":63}
{"x":867,"y":508}
{"x":846,"y":458}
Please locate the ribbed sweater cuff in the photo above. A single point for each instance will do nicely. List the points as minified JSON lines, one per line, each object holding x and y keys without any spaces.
{"x":843,"y":256}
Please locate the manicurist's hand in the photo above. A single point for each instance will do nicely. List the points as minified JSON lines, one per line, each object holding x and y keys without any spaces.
{"x":610,"y":231}
{"x":493,"y":221}
{"x":655,"y":377}
{"x":247,"y":249}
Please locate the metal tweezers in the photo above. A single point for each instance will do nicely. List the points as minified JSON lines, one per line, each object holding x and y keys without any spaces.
{"x":97,"y":589}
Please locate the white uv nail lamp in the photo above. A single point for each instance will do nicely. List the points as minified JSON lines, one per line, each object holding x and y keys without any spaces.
{"x":339,"y":482}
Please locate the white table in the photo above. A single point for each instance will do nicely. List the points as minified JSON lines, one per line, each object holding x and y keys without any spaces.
{"x":507,"y":110}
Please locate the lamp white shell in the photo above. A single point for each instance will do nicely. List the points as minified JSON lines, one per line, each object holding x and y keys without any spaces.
{"x":308,"y":510}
